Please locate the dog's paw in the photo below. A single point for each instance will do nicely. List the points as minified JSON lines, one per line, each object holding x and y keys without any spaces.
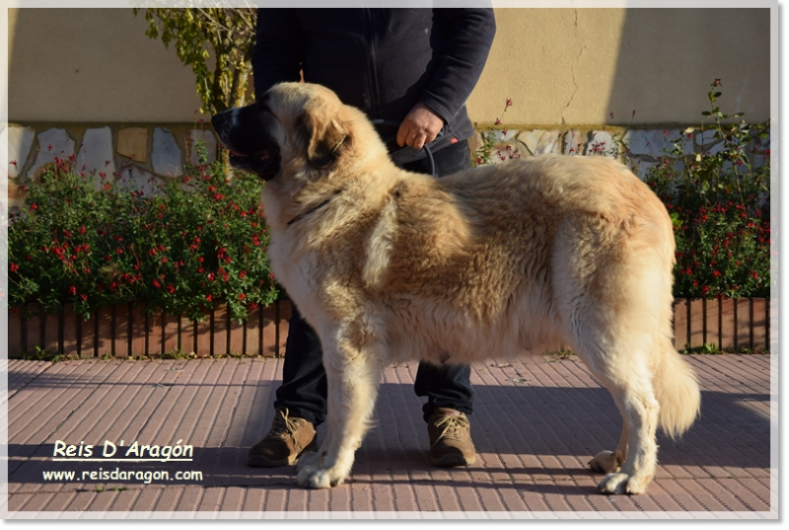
{"x":622,"y":483}
{"x":605,"y":462}
{"x":318,"y":478}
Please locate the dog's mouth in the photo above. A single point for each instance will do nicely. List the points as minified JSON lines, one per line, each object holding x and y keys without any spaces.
{"x":261,"y":156}
{"x":264,"y":163}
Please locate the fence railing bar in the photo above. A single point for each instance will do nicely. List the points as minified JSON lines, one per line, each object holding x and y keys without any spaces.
{"x":703,"y":321}
{"x":736,"y":337}
{"x":720,"y":324}
{"x":750,"y":327}
{"x":767,"y":323}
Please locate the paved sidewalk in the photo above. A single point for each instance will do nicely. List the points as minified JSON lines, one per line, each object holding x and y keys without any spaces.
{"x":536,"y":424}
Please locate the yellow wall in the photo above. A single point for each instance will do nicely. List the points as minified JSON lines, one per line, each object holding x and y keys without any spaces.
{"x":94,"y":65}
{"x":560,"y":66}
{"x":576,"y":66}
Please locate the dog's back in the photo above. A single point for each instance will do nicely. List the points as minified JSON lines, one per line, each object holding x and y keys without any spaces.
{"x":498,"y":254}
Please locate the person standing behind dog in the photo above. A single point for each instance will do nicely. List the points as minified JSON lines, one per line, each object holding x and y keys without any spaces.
{"x":415,"y":67}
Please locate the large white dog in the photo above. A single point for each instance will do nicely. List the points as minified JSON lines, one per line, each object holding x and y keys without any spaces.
{"x":388,"y":265}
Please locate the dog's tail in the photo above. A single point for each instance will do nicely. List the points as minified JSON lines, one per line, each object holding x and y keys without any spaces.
{"x":676,"y":389}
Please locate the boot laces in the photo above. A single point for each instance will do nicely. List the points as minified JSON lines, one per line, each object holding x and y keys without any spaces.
{"x":451,"y":426}
{"x":284,"y":427}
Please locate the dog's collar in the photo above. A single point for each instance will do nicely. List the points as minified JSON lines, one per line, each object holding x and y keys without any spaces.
{"x":311,"y":210}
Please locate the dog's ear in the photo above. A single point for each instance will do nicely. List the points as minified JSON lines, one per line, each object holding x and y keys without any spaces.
{"x":325,"y":137}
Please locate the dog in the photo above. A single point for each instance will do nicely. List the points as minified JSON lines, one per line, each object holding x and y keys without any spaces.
{"x":388,"y":265}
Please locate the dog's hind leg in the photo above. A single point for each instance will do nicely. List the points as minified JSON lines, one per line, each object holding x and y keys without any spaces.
{"x":353,"y":376}
{"x":623,"y":367}
{"x":635,"y":399}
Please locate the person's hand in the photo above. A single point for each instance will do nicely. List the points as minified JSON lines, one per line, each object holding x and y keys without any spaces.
{"x":419,"y":127}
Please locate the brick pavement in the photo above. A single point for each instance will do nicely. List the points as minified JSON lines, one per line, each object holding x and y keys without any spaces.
{"x":537,"y":422}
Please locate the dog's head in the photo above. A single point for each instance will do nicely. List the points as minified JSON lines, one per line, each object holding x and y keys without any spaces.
{"x":294,"y":125}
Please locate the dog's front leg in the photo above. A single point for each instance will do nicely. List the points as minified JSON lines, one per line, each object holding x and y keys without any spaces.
{"x":353,"y":375}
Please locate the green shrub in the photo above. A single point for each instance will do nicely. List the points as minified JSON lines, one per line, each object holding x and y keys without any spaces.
{"x":719,"y":201}
{"x":92,"y":241}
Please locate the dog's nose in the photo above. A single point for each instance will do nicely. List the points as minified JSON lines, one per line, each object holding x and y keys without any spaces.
{"x":225,"y":122}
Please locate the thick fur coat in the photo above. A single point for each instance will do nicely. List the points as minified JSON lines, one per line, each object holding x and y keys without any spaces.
{"x":388,"y":265}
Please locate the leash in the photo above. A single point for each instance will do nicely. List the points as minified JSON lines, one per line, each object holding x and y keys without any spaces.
{"x":425,"y":148}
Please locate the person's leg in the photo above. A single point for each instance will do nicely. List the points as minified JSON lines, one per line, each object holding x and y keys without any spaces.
{"x":301,"y":400}
{"x":447,"y":388}
{"x":303,"y":389}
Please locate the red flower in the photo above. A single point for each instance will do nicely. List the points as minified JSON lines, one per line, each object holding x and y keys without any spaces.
{"x":209,"y":297}
{"x":156,"y":283}
{"x":755,"y":274}
{"x":34,"y":206}
{"x":242,"y":296}
{"x":164,"y":260}
{"x":716,"y":273}
{"x":14,"y":267}
{"x":242,"y":274}
{"x":72,"y":290}
{"x":84,"y":297}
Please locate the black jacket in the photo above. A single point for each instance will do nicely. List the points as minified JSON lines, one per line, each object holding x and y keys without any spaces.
{"x":382,"y":61}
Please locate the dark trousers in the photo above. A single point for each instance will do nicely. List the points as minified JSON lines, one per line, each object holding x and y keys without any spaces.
{"x":303,"y":389}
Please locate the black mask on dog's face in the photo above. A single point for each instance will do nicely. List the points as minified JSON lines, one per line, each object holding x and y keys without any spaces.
{"x":244,"y":131}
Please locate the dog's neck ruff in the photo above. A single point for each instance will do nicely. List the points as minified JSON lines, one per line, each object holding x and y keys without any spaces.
{"x":314,"y":209}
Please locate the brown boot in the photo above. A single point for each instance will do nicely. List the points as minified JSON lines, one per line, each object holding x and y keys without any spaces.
{"x":450,"y":439}
{"x":288,"y":438}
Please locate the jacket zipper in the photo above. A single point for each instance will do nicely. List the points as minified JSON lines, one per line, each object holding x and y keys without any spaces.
{"x":372,"y":72}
